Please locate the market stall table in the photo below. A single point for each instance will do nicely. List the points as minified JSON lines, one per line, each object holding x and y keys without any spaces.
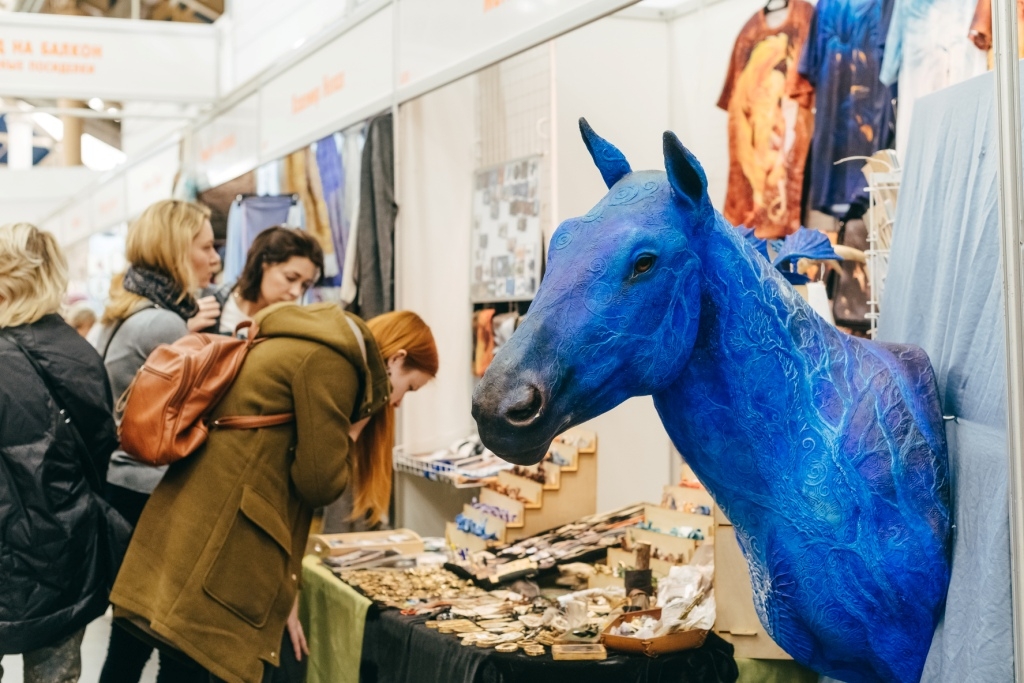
{"x":397,"y":649}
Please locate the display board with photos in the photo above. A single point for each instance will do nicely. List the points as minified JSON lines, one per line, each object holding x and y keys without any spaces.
{"x":507,"y":238}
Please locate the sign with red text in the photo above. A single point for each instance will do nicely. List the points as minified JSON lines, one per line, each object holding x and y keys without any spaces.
{"x":77,"y":221}
{"x":228,"y":146}
{"x":440,"y":41}
{"x":151,"y":180}
{"x":345,"y":81}
{"x":109,"y":204}
{"x":51,"y":56}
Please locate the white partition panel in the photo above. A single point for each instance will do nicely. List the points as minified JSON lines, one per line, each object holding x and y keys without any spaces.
{"x":227,"y":146}
{"x":109,"y":204}
{"x":436,"y":155}
{"x":441,"y":40}
{"x":152,"y":180}
{"x":77,"y":222}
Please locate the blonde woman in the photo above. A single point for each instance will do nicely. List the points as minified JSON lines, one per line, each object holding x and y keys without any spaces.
{"x":59,"y":541}
{"x":170,"y":254}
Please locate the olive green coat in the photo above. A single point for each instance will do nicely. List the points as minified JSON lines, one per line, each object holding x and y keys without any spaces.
{"x":214,"y":563}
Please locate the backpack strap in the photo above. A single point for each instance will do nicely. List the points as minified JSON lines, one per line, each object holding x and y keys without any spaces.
{"x":119,"y":323}
{"x":359,"y":336}
{"x":264,"y":421}
{"x":252,"y":421}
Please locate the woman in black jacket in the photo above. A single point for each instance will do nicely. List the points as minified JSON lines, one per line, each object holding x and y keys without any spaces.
{"x":59,"y":541}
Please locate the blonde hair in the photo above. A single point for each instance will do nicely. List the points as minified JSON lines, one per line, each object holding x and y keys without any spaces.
{"x":160,"y":240}
{"x":33,"y":274}
{"x":79,"y":315}
{"x":394,"y":332}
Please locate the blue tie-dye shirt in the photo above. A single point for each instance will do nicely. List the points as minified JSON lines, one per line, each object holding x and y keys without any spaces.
{"x":855,"y":114}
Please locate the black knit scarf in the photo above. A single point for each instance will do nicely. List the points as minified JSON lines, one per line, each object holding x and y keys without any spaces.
{"x":161,"y":290}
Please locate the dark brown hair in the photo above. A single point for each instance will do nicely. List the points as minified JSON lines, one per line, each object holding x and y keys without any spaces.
{"x":272,"y":246}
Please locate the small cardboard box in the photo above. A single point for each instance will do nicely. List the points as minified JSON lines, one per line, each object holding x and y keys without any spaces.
{"x":673,"y":642}
{"x":404,"y":541}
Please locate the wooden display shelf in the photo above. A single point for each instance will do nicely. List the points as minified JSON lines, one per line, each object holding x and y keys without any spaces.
{"x":492,"y":525}
{"x":665,"y":520}
{"x":531,"y":491}
{"x":674,"y":497}
{"x":736,"y":620}
{"x":459,"y":539}
{"x":576,"y":498}
{"x":515,"y":508}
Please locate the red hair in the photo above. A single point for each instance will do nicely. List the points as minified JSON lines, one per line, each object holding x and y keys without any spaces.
{"x":394,"y":332}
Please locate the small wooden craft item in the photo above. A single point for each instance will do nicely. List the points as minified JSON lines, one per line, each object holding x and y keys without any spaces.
{"x":530,"y":491}
{"x":565,"y":456}
{"x":515,"y":508}
{"x":574,"y":651}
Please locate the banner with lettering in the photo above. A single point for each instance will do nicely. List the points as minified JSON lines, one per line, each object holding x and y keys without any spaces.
{"x":50,"y":56}
{"x":228,"y":146}
{"x":342,"y":83}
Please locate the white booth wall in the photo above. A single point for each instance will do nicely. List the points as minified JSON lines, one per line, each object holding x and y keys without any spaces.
{"x":633,"y":77}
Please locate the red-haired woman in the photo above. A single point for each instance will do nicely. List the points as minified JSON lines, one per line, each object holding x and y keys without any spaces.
{"x":214,"y":564}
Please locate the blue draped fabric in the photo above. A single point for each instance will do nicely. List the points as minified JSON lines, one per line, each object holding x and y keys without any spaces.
{"x":944,"y":293}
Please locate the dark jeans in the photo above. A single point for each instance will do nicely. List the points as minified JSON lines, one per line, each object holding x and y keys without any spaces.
{"x":126,"y":654}
{"x":290,"y":671}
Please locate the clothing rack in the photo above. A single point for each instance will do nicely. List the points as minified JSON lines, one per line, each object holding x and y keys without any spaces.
{"x":248,"y":195}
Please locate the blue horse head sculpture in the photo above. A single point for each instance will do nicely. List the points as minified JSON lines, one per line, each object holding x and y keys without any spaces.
{"x":827,"y":452}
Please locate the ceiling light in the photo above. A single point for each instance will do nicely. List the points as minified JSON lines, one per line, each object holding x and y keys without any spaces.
{"x":96,"y":104}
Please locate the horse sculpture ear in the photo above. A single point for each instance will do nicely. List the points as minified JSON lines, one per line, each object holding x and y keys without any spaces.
{"x":684,"y":172}
{"x":609,"y":160}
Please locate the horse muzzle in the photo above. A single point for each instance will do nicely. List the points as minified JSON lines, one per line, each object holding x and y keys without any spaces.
{"x":511,"y":421}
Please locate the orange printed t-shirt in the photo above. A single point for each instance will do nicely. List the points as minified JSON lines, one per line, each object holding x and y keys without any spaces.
{"x":770,"y":123}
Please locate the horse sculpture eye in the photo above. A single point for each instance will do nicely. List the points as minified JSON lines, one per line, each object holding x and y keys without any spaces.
{"x":643,"y":264}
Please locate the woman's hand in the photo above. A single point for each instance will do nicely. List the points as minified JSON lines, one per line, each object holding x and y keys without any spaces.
{"x":295,"y":632}
{"x":357,"y":429}
{"x":209,"y":311}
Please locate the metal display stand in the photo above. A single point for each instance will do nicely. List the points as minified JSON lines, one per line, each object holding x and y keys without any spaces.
{"x":882,"y":192}
{"x":1011,"y":204}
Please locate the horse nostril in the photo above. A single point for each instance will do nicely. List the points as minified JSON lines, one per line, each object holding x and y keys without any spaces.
{"x":526,"y":406}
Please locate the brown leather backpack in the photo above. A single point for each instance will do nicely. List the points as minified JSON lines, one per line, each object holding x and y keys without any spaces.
{"x":166,"y":408}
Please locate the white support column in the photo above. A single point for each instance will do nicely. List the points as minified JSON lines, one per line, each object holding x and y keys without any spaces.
{"x":1011,"y":204}
{"x":19,"y":141}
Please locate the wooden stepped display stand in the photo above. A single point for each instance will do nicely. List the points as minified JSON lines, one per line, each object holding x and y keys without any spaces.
{"x":668,"y":550}
{"x":569,"y":493}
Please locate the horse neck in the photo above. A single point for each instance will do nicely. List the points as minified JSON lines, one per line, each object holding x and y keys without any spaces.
{"x":748,"y":368}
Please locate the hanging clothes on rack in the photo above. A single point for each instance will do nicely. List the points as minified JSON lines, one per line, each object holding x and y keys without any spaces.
{"x":352,"y":142}
{"x":297,"y":180}
{"x":332,"y":184}
{"x":376,"y":227}
{"x":248,"y":217}
{"x":926,"y":51}
{"x":854,"y":111}
{"x":770,"y":122}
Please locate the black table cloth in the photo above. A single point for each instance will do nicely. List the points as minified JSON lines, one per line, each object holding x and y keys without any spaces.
{"x":400,"y":649}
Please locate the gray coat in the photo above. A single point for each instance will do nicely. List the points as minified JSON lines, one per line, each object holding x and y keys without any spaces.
{"x":375,"y":242}
{"x":135,"y":339}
